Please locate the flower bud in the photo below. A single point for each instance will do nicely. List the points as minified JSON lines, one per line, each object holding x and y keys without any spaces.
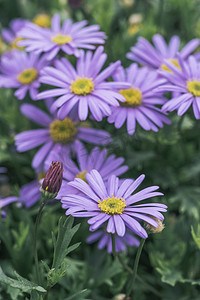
{"x":52,"y":181}
{"x":153,"y":229}
{"x":127,"y":3}
{"x":121,"y":297}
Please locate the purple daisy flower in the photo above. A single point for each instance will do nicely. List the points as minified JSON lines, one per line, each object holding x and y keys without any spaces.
{"x":186,"y":82}
{"x":21,"y":71}
{"x":4,"y":202}
{"x":84,"y":88}
{"x":56,"y":135}
{"x":113,"y":204}
{"x":141,"y":100}
{"x":105,"y":240}
{"x":145,"y":54}
{"x":11,"y":35}
{"x":97,"y":159}
{"x":68,"y":38}
{"x":30,"y":193}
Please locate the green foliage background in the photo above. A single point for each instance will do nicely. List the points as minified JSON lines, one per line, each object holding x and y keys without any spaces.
{"x":170,"y":261}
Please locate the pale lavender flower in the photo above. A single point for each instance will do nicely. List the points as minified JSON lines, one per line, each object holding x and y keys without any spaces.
{"x":30,"y":193}
{"x":186,"y":82}
{"x":4,"y":202}
{"x":84,"y":162}
{"x":21,"y":71}
{"x":55,"y":135}
{"x":97,"y":159}
{"x":113,"y":204}
{"x":105,"y":240}
{"x":85,"y":88}
{"x":69,"y":38}
{"x":154,"y":56}
{"x":11,"y":35}
{"x":141,"y":100}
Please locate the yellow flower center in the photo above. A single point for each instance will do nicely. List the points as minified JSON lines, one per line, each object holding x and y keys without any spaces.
{"x":14,"y":43}
{"x":194,"y":88}
{"x":27,"y":76}
{"x":133,"y":29}
{"x":63,"y":131}
{"x":42,"y":20}
{"x":81,"y":175}
{"x":112,"y":205}
{"x":3,"y":46}
{"x":82,"y":86}
{"x":61,"y":39}
{"x":133,"y":97}
{"x":172,"y":60}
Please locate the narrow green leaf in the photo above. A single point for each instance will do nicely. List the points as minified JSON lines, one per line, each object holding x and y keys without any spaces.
{"x":21,"y":283}
{"x":196,"y":236}
{"x":65,"y":234}
{"x":79,"y":295}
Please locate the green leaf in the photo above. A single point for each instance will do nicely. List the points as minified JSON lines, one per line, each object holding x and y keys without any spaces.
{"x":20,"y":283}
{"x":187,"y":200}
{"x":54,"y":275}
{"x":196,"y":236}
{"x":79,"y":295}
{"x":13,"y":292}
{"x":65,"y":235}
{"x":35,"y":296}
{"x":169,"y":275}
{"x":192,"y":282}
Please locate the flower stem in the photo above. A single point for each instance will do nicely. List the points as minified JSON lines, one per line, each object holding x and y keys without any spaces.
{"x":113,"y":245}
{"x":130,"y":287}
{"x":124,"y":265}
{"x":35,"y":240}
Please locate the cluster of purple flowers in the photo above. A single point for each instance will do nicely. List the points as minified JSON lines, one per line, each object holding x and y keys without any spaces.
{"x":39,"y":63}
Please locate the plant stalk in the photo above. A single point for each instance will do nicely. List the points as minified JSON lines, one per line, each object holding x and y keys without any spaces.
{"x":35,"y":241}
{"x":130,"y":287}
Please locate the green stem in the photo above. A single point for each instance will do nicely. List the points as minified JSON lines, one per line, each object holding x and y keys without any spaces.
{"x":148,"y":286}
{"x":130,"y":287}
{"x":113,"y":246}
{"x":35,"y":241}
{"x":124,"y":265}
{"x":47,"y":293}
{"x":127,"y":268}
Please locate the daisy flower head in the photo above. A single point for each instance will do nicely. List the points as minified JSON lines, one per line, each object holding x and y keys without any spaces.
{"x":84,"y":88}
{"x":22,"y":71}
{"x":113,"y":204}
{"x":30,"y":193}
{"x":185,"y":81}
{"x":105,"y":240}
{"x":97,"y":159}
{"x":11,"y":35}
{"x":141,"y":100}
{"x":42,"y":20}
{"x":69,"y":38}
{"x":84,"y":162}
{"x":4,"y":202}
{"x":55,"y":135}
{"x":154,"y":55}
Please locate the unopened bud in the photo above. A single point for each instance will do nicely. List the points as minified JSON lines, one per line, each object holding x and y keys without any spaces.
{"x":127,"y":3}
{"x":121,"y":297}
{"x":52,"y":181}
{"x":135,"y":19}
{"x":153,"y":229}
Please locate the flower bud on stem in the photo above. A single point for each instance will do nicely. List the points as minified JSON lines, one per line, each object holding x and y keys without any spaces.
{"x":50,"y":188}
